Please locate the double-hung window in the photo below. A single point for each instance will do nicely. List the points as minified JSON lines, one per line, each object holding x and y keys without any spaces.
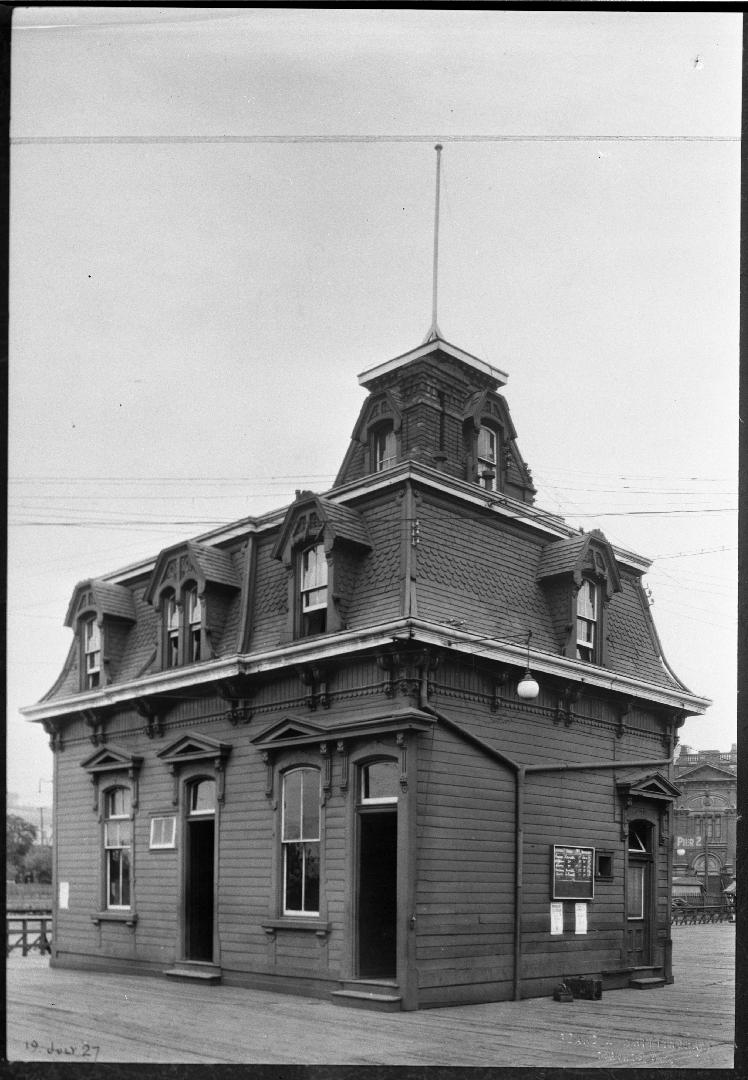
{"x":194,"y":610}
{"x":587,"y":615}
{"x":92,"y":652}
{"x":488,"y":458}
{"x":301,"y":841}
{"x":171,"y":631}
{"x":313,"y":590}
{"x":118,"y":847}
{"x":384,"y":445}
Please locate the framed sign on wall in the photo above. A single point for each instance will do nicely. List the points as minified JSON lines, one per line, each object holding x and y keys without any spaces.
{"x":573,"y":872}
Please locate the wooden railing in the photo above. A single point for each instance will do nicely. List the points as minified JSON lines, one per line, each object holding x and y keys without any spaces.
{"x":28,"y":931}
{"x":698,"y":916}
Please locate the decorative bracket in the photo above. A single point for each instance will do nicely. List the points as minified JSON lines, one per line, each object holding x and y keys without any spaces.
{"x":567,"y":699}
{"x":342,"y":749}
{"x":315,"y":679}
{"x":267,"y":761}
{"x":91,"y":720}
{"x":327,"y":775}
{"x":55,"y":735}
{"x":499,"y":683}
{"x":402,"y":741}
{"x":146,"y":708}
{"x":624,"y":710}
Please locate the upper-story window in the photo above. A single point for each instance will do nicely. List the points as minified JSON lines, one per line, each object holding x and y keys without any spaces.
{"x":587,"y":621}
{"x":313,"y":590}
{"x":384,"y":448}
{"x":118,"y":847}
{"x":301,"y":841}
{"x":488,"y":458}
{"x":194,"y":628}
{"x":92,"y":652}
{"x":171,"y":630}
{"x":182,"y":627}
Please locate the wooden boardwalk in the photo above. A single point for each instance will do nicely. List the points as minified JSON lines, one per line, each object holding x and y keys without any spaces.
{"x":61,"y":1015}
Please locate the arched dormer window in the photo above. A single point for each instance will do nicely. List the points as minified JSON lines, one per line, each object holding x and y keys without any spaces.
{"x":487,"y":455}
{"x":312,"y":590}
{"x":193,"y":610}
{"x":588,"y":605}
{"x":383,"y":447}
{"x":91,"y":643}
{"x":170,"y":629}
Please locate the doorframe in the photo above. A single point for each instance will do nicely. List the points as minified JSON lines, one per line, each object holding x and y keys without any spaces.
{"x":650,"y":861}
{"x":394,"y":750}
{"x":364,"y":811}
{"x":189,"y":777}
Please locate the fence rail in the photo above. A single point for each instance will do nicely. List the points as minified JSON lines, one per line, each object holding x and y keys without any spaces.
{"x":28,"y":932}
{"x":699,"y":916}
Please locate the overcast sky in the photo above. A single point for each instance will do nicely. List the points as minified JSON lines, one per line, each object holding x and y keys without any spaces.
{"x":188,"y":318}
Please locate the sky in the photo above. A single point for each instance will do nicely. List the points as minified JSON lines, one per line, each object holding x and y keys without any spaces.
{"x":221,"y":217}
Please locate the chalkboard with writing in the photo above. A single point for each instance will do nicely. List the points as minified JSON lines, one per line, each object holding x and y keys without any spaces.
{"x":573,"y":873}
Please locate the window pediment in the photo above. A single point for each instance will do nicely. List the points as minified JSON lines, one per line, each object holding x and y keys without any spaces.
{"x":380,"y":409}
{"x":191,"y":561}
{"x":100,"y":598}
{"x":577,"y":557}
{"x":191,"y":748}
{"x":312,"y":519}
{"x":290,"y":727}
{"x":111,"y":759}
{"x":654,"y":786}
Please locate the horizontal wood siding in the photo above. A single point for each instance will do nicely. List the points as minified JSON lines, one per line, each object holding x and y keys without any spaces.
{"x":464,"y":871}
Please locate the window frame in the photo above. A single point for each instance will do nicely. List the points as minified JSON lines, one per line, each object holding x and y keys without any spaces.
{"x":91,"y":627}
{"x":485,"y":463}
{"x":108,"y":848}
{"x":383,"y":447}
{"x":376,"y":800}
{"x":592,"y":622}
{"x":163,"y":845}
{"x":312,"y":618}
{"x":303,"y":841}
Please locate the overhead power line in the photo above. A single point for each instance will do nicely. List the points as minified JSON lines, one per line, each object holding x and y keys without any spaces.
{"x":156,"y":140}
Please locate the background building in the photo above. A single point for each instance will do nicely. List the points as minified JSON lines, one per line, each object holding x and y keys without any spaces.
{"x":706,"y":817}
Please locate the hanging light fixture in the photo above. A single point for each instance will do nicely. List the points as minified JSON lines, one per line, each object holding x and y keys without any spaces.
{"x":527,"y":688}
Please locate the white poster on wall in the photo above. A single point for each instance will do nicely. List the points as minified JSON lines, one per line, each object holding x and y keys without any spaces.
{"x":64,"y":895}
{"x":580,"y":918}
{"x":557,"y":918}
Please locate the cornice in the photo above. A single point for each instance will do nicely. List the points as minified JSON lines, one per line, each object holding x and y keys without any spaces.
{"x":351,"y":642}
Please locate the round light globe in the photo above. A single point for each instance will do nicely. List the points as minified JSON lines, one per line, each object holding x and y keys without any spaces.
{"x":527,"y":688}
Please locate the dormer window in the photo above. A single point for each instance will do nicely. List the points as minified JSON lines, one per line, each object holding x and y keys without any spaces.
{"x":171,"y":631}
{"x":587,"y":616}
{"x":488,"y":458}
{"x":384,"y":448}
{"x":194,"y":616}
{"x":313,"y":590}
{"x":91,"y":653}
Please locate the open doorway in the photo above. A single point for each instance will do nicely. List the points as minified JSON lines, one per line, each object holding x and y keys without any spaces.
{"x":377,"y":871}
{"x":199,"y":871}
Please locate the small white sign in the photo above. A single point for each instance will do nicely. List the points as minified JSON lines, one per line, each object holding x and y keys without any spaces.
{"x":557,"y":918}
{"x":580,"y":918}
{"x":64,"y":896}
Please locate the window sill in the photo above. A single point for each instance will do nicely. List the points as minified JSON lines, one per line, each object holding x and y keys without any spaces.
{"x":129,"y":918}
{"x":311,"y":926}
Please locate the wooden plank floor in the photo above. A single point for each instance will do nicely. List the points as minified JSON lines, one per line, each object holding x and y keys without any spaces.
{"x":62,"y":1015}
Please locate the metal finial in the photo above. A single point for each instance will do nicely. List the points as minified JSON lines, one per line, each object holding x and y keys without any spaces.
{"x":434,"y":331}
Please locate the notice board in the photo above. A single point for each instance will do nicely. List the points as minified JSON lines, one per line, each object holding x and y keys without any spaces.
{"x":573,"y":873}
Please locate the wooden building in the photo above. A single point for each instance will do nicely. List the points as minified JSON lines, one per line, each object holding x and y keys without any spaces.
{"x":407,"y":743}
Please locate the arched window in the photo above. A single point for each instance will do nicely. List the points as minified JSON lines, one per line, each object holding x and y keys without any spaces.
{"x":171,"y":630}
{"x":202,"y":798}
{"x":194,"y":618}
{"x":488,"y":458}
{"x":383,"y":448}
{"x":312,"y":590}
{"x":379,"y":782}
{"x":300,"y":832}
{"x":91,"y":653}
{"x":118,"y":847}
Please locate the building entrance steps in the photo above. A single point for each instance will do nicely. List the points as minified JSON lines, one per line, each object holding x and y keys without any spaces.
{"x":379,"y":994}
{"x":199,"y":970}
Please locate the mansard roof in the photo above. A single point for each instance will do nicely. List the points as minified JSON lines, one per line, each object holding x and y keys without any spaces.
{"x":191,"y":559}
{"x":101,"y":597}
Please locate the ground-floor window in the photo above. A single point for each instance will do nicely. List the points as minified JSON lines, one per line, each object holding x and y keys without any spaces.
{"x":301,"y":841}
{"x":118,"y":847}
